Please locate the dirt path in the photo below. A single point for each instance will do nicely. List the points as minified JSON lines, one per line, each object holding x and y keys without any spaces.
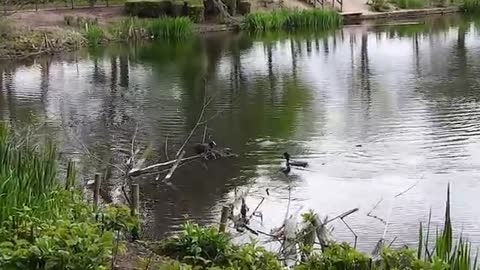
{"x":55,"y":17}
{"x":356,"y":6}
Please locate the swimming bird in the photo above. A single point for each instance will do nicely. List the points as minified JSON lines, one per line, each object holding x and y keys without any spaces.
{"x":295,"y":163}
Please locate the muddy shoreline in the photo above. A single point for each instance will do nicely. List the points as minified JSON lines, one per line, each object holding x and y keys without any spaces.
{"x":45,"y":34}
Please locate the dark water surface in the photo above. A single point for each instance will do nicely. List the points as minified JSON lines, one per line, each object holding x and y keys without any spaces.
{"x":408,"y":95}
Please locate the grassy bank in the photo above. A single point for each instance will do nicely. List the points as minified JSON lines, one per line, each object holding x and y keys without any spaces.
{"x":46,"y":224}
{"x":20,"y":43}
{"x":293,"y":20}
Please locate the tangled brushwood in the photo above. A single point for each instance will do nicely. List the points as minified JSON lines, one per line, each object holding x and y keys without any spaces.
{"x":206,"y":248}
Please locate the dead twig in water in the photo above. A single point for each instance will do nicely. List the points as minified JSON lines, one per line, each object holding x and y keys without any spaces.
{"x":256,"y":208}
{"x":166,"y":148}
{"x":136,"y":172}
{"x":174,"y":167}
{"x":204,"y":134}
{"x":407,"y":190}
{"x":206,"y":102}
{"x":369,"y":214}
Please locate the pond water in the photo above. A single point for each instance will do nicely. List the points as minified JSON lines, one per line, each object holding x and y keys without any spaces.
{"x":374,"y":110}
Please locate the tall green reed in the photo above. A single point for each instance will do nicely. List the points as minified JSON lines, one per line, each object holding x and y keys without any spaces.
{"x":94,"y":34}
{"x":471,"y":6}
{"x":288,"y":20}
{"x":447,"y":253}
{"x":27,"y":173}
{"x":161,"y":28}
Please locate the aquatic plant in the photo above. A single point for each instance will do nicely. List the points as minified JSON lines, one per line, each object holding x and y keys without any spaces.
{"x":314,"y":19}
{"x":169,"y":28}
{"x":471,"y":6}
{"x":134,"y":28}
{"x":27,"y":173}
{"x":94,"y":34}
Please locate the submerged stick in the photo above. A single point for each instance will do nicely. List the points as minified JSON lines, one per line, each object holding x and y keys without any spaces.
{"x":96,"y":191}
{"x":174,"y":167}
{"x":408,"y":189}
{"x":206,"y":102}
{"x":137,"y":172}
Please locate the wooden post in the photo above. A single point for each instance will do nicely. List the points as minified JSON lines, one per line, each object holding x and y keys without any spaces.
{"x":96,"y":190}
{"x":224,"y":219}
{"x":135,"y":199}
{"x":70,"y":179}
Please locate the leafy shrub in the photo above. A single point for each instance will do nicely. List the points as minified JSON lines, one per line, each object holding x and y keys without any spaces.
{"x":72,"y":239}
{"x":251,"y":256}
{"x":44,"y":225}
{"x":336,"y":256}
{"x":403,"y":258}
{"x":197,"y":245}
{"x":411,"y":4}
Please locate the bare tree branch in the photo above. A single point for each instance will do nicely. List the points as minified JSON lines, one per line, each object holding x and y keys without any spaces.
{"x":174,"y":167}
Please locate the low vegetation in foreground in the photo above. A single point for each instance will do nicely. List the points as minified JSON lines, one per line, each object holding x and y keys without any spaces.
{"x":46,"y":223}
{"x":206,"y":248}
{"x":292,"y":20}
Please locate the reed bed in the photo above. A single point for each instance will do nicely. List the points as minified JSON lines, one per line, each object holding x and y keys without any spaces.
{"x":291,"y":20}
{"x":471,"y":6}
{"x":161,"y":28}
{"x":28,"y":173}
{"x":94,"y":34}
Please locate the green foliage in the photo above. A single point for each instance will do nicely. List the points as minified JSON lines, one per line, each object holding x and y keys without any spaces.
{"x":161,"y":28}
{"x":170,"y":28}
{"x":207,"y":247}
{"x":204,"y":246}
{"x":471,"y":6}
{"x":314,"y":19}
{"x":94,"y":34}
{"x":43,"y":224}
{"x":27,"y":173}
{"x":403,"y":258}
{"x":336,"y":256}
{"x":251,"y":256}
{"x":411,"y":4}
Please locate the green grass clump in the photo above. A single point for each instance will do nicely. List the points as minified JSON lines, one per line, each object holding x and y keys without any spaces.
{"x":411,"y":4}
{"x":27,"y":173}
{"x":134,"y":28}
{"x":471,"y":6}
{"x":94,"y":34}
{"x":169,"y":28}
{"x":289,"y":20}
